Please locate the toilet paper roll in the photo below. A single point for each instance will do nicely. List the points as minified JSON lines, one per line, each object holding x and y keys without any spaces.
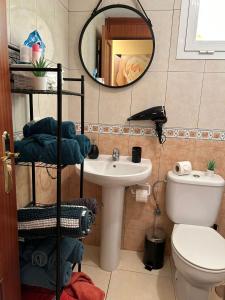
{"x":182,"y":168}
{"x":141,"y":196}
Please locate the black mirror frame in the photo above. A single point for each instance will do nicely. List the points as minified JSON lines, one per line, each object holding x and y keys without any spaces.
{"x":94,"y":14}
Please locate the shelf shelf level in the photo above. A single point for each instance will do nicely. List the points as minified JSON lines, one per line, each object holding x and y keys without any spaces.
{"x":38,"y":165}
{"x":46,"y":92}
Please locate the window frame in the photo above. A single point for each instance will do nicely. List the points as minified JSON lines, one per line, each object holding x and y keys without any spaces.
{"x":187,"y":46}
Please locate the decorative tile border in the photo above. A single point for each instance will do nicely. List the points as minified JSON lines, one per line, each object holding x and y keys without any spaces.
{"x":179,"y":133}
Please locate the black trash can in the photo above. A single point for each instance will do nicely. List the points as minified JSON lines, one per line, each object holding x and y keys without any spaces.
{"x":154,"y":249}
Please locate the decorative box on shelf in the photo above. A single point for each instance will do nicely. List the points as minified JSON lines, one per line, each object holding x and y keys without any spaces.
{"x":22,"y":79}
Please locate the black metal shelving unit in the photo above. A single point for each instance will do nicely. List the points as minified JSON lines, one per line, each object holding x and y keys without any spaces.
{"x":59,"y":92}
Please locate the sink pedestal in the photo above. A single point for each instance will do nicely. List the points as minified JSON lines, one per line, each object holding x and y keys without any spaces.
{"x":111,"y":226}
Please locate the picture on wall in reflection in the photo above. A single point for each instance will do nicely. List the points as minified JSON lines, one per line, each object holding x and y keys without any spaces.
{"x":128,"y":68}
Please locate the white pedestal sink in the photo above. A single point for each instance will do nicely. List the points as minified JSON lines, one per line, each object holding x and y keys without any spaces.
{"x":113,"y":176}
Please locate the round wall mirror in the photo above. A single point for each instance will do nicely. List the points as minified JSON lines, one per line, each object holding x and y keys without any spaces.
{"x":116,"y":45}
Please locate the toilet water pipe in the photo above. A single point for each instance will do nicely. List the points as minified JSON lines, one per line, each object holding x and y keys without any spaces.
{"x":157,"y":211}
{"x":157,"y":208}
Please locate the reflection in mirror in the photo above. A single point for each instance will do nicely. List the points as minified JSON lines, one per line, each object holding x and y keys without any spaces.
{"x":117,"y":45}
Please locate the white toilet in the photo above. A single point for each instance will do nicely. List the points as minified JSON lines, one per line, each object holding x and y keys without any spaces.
{"x":192,"y":203}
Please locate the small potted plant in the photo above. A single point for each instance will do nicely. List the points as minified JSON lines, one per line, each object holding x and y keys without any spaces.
{"x":211,"y":167}
{"x":40,"y":79}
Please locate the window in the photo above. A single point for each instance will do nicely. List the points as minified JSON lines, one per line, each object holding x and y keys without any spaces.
{"x":202,"y":30}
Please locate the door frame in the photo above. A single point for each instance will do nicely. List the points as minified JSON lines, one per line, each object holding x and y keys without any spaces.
{"x":9,"y":258}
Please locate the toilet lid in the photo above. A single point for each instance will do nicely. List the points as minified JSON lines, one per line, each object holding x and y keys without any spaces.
{"x":201,"y":246}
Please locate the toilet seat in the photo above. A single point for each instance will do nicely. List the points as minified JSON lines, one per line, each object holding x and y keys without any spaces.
{"x":200,"y":246}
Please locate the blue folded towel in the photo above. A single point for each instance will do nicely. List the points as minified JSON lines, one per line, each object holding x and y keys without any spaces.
{"x":76,"y":255}
{"x":44,"y":277}
{"x":90,"y":203}
{"x":84,"y":143}
{"x":26,"y":249}
{"x":34,"y":222}
{"x":41,"y":254}
{"x":71,"y":153}
{"x":43,"y":148}
{"x":71,"y":250}
{"x":49,"y":126}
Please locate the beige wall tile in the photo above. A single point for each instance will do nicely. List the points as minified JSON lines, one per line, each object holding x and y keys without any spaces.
{"x":45,"y":25}
{"x":158,"y":4}
{"x":23,"y":188}
{"x":149,"y":91}
{"x":65,"y":3}
{"x":133,"y":239}
{"x":205,"y":151}
{"x":175,"y":150}
{"x":76,"y":23}
{"x":209,"y":150}
{"x":107,"y":142}
{"x":88,"y":5}
{"x":114,"y":105}
{"x":184,"y":65}
{"x":137,"y":216}
{"x":215,"y":66}
{"x":162,"y":22}
{"x":221,"y":218}
{"x":183,"y":99}
{"x":23,"y":20}
{"x":93,"y":237}
{"x":91,"y":99}
{"x":212,"y":109}
{"x":61,"y":34}
{"x":48,"y":106}
{"x":19,"y":108}
{"x":177,"y":4}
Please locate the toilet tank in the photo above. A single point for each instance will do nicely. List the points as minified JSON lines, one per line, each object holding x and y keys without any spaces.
{"x":194,"y":199}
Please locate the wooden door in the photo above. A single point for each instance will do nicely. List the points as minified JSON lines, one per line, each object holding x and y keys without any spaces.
{"x":106,"y":57}
{"x":9,"y":262}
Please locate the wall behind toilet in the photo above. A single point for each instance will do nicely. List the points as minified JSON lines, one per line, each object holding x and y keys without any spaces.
{"x":192,"y":90}
{"x":50,"y":18}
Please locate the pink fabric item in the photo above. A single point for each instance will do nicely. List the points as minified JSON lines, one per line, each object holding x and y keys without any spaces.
{"x":81,"y":287}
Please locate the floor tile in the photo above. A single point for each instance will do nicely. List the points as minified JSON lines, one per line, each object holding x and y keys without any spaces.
{"x":173,"y":271}
{"x":100,"y":277}
{"x":125,"y":285}
{"x":132,"y":261}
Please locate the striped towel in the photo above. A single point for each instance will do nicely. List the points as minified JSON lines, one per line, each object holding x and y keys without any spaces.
{"x":34,"y":222}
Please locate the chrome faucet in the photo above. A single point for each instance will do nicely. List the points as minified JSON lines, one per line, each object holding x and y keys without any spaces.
{"x":116,"y":154}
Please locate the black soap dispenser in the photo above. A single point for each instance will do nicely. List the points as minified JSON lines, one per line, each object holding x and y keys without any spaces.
{"x":94,"y":152}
